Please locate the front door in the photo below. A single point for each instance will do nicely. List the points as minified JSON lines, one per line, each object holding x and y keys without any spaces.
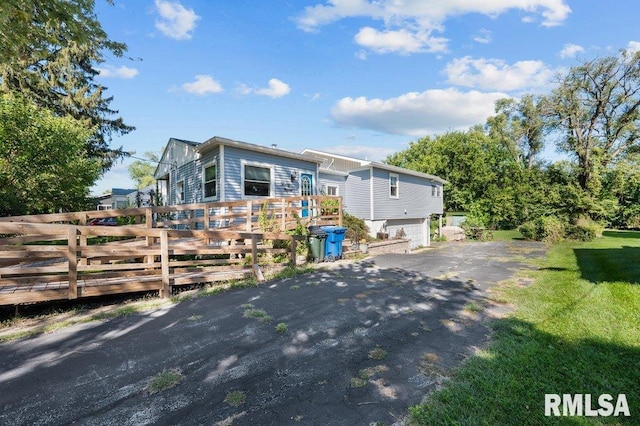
{"x":306,"y":190}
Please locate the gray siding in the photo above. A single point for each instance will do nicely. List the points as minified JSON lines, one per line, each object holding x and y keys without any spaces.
{"x":357,"y":203}
{"x":414,"y":197}
{"x":329,"y":179}
{"x":282,"y":168}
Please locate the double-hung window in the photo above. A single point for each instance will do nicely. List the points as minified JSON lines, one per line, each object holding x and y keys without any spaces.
{"x":394,"y":185}
{"x":210,"y":181}
{"x":180,"y":192}
{"x":257,"y":181}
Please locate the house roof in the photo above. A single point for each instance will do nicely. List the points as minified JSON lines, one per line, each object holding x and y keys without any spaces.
{"x":217,"y":141}
{"x":192,"y":143}
{"x":359,"y":164}
{"x":122,"y":191}
{"x":330,"y":163}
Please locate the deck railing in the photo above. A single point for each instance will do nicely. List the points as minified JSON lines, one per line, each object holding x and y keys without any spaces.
{"x":59,"y":256}
{"x":283,"y":213}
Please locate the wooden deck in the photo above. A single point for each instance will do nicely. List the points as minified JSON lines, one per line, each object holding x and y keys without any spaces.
{"x":42,"y":261}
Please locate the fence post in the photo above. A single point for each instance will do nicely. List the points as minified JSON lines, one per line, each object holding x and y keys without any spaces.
{"x":206,"y":220}
{"x":249,"y":215}
{"x":149,"y":225}
{"x":283,"y":213}
{"x":339,"y":211}
{"x":72,"y":257}
{"x":294,"y":254}
{"x":164,"y":259}
{"x":254,"y":258}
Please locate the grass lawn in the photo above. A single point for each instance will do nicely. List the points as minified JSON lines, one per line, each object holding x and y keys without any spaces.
{"x":575,"y":330}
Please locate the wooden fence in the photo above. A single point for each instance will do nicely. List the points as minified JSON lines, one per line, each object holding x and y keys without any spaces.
{"x":59,"y":256}
{"x":278,"y":214}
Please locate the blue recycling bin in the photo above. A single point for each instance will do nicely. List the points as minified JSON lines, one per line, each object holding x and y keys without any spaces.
{"x":333,"y":244}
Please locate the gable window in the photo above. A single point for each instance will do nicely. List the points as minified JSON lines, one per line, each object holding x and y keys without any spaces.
{"x":180,"y":192}
{"x":257,"y":181}
{"x":210,"y":181}
{"x":393,"y":185}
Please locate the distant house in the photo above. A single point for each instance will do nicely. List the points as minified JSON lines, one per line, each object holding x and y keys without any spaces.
{"x":143,"y":197}
{"x":116,"y":199}
{"x":393,"y":201}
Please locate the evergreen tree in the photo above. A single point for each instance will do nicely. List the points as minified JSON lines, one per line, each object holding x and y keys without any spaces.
{"x":48,"y":53}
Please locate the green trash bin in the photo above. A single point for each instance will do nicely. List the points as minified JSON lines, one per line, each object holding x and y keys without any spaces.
{"x":317,"y":241}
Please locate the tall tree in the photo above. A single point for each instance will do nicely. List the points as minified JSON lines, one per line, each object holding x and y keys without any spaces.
{"x":596,"y":107}
{"x":44,"y":166}
{"x":142,"y":171}
{"x":48,"y":52}
{"x":520,"y":126}
{"x":483,"y":175}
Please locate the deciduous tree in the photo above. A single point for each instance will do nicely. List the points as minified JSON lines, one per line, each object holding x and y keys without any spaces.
{"x":596,"y":108}
{"x":44,"y":164}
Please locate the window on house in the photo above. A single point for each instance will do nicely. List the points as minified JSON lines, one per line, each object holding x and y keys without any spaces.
{"x":180,"y":192}
{"x":433,"y":190}
{"x":438,"y":191}
{"x":257,"y":181}
{"x":210,"y":181}
{"x":332,"y":190}
{"x":393,"y":185}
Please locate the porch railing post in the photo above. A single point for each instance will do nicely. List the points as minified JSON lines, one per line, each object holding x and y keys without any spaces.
{"x":72,"y":257}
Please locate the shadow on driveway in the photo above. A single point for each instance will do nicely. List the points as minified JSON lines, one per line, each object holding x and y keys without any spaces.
{"x":363,"y":341}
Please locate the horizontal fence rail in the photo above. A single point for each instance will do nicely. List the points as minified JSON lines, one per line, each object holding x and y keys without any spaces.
{"x":59,"y":256}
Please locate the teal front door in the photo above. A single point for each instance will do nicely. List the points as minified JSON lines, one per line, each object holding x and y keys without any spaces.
{"x":306,"y":190}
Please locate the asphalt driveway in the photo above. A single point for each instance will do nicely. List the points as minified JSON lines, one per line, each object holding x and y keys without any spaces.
{"x":360,"y":343}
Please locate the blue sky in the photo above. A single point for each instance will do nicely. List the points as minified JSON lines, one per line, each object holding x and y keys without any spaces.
{"x":355,"y":77}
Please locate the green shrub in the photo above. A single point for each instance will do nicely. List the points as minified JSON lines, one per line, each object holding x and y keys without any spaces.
{"x":580,"y":233}
{"x":553,"y":229}
{"x":529,"y":230}
{"x":356,"y":228}
{"x":546,"y":228}
{"x":585,"y":229}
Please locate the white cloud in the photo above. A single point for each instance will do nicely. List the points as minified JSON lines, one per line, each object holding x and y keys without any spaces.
{"x":417,"y":114}
{"x":175,"y":21}
{"x":495,"y":74}
{"x":402,"y":41}
{"x":409,"y":25}
{"x":363,"y":152}
{"x":202,"y":85}
{"x":633,"y":47}
{"x":571,"y":50}
{"x":276,"y":89}
{"x":109,"y":71}
{"x":483,"y":36}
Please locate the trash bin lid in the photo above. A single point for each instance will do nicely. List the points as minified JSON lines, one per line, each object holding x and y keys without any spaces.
{"x":333,"y":229}
{"x":317,"y":231}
